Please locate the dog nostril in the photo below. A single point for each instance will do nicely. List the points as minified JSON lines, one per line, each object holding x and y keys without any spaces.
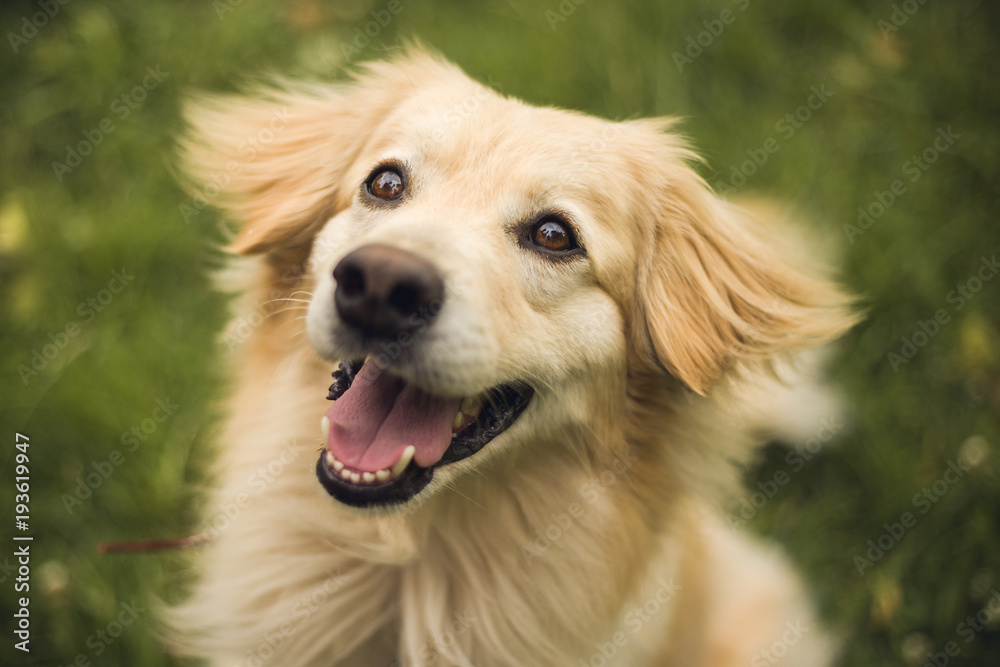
{"x":405,"y":299}
{"x":352,"y":281}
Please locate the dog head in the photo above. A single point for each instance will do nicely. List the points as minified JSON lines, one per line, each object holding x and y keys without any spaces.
{"x":486,"y":275}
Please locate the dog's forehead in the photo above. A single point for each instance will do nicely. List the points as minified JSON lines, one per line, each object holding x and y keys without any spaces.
{"x":486,"y":145}
{"x":472,"y":129}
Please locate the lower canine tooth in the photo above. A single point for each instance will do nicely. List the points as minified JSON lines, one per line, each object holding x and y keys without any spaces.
{"x":404,"y":460}
{"x":331,"y":460}
{"x":324,"y":426}
{"x":457,"y":421}
{"x":382,"y":475}
{"x":368,"y":477}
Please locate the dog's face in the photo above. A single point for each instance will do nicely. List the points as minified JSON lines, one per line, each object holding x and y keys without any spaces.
{"x":467,"y":269}
{"x":487,"y":275}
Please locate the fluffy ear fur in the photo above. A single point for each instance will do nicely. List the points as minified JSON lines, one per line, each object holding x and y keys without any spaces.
{"x":274,"y":159}
{"x":720,"y":293}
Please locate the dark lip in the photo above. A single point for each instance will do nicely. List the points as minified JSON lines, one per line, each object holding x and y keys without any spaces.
{"x":394,"y":492}
{"x":506,"y":403}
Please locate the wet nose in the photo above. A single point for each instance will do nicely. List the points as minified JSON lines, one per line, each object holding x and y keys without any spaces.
{"x":381,"y":288}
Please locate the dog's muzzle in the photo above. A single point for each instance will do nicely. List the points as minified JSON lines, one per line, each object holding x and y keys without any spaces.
{"x":385,"y":436}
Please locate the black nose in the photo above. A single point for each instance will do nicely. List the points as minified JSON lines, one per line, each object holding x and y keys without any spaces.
{"x":384,"y":291}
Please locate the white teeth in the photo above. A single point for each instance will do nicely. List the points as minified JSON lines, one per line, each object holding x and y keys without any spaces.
{"x":471,"y":405}
{"x":404,"y":460}
{"x":357,"y":478}
{"x":324,"y":426}
{"x":332,"y":461}
{"x":457,"y":421}
{"x":383,"y":475}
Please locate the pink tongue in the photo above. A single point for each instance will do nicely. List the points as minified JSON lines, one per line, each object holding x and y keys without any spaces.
{"x":374,"y":421}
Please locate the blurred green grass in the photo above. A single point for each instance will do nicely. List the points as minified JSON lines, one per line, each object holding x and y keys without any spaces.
{"x":60,"y":240}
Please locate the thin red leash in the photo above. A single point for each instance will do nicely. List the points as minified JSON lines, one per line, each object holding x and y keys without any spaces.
{"x":153,"y":545}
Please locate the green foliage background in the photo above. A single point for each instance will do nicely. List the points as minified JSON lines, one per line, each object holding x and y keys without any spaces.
{"x":892,"y":90}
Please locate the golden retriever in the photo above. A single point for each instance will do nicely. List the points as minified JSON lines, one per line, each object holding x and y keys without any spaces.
{"x":535,"y":320}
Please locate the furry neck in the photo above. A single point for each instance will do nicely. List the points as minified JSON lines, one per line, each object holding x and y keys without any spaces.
{"x":509,"y":567}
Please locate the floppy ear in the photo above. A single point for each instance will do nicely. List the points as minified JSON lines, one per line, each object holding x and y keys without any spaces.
{"x":271,"y":161}
{"x":718,"y":294}
{"x":274,"y":160}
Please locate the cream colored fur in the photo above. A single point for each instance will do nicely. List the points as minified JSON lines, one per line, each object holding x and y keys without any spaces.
{"x":601,"y":498}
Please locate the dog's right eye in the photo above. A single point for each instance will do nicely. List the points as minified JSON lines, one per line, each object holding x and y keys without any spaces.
{"x":553,"y":236}
{"x":385,"y":183}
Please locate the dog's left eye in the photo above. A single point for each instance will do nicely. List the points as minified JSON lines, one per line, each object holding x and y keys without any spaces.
{"x":386,"y":183}
{"x":553,"y":235}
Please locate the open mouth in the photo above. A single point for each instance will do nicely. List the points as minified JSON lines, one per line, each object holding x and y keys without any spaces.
{"x":386,"y":437}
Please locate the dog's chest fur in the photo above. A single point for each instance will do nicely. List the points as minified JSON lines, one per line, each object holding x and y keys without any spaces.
{"x":513,"y":567}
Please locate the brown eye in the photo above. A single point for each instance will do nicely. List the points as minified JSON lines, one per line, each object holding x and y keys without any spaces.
{"x":386,"y":184}
{"x":553,"y":235}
